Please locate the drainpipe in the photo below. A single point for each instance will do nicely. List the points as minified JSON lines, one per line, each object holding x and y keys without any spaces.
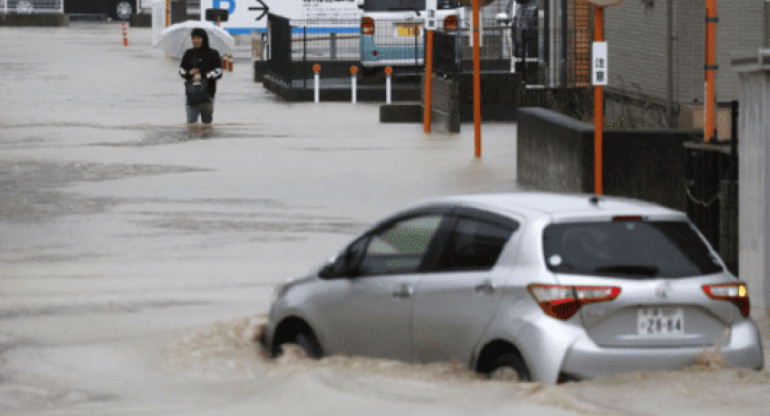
{"x":709,"y":130}
{"x":564,"y":22}
{"x":767,"y":24}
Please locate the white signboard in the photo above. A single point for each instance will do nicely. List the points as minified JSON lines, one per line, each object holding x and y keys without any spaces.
{"x":430,"y":16}
{"x":599,"y":74}
{"x":249,"y":15}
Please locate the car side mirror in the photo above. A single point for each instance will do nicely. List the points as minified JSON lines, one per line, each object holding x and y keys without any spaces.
{"x":337,"y":267}
{"x":360,"y":4}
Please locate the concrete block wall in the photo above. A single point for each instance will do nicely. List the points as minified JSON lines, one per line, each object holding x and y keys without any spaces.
{"x":445,"y":105}
{"x":555,"y":153}
{"x":740,"y":32}
{"x":637,"y":36}
{"x":689,"y":51}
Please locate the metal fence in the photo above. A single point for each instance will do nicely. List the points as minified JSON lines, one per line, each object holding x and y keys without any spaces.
{"x":712,"y":192}
{"x":32,"y":6}
{"x":552,"y":59}
{"x":453,"y":54}
{"x":293,"y":45}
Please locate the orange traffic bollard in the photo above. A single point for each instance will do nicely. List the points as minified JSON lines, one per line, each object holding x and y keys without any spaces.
{"x":317,"y":83}
{"x":229,"y":63}
{"x":125,"y":35}
{"x":353,"y":84}
{"x":388,"y":94}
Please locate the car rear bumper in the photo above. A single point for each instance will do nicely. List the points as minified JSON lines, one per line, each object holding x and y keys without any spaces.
{"x":375,"y":55}
{"x":586,"y":360}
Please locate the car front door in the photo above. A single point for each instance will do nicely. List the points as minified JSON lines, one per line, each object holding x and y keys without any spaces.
{"x":454,"y":304}
{"x":370,"y":312}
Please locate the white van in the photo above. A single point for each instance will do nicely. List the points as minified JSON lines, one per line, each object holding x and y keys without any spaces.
{"x":392,"y":30}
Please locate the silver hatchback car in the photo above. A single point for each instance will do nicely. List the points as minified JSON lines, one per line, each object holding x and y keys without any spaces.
{"x":546,"y":287}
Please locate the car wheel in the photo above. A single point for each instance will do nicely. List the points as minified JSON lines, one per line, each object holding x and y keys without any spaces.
{"x":509,"y":367}
{"x":24,"y":7}
{"x":310,"y":344}
{"x":123,"y":9}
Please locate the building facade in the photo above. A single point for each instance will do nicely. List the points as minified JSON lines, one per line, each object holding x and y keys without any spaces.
{"x":657,"y":58}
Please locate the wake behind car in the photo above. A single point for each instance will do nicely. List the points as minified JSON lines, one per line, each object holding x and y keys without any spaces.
{"x":545,"y":287}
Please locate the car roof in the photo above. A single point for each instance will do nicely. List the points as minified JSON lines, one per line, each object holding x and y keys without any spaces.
{"x":558,"y":206}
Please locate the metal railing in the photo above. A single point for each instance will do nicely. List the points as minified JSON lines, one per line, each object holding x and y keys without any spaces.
{"x":293,"y":45}
{"x":296,"y":45}
{"x":280,"y":48}
{"x":32,"y":6}
{"x":501,"y":51}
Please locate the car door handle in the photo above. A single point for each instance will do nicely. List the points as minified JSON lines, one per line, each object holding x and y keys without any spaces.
{"x":403,"y":292}
{"x":486,"y":287}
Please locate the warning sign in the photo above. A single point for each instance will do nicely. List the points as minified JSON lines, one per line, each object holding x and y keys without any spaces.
{"x":599,"y":64}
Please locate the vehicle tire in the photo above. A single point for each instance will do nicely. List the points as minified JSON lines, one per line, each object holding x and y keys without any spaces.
{"x":24,"y":7}
{"x":123,"y":9}
{"x":310,"y":344}
{"x":509,"y":367}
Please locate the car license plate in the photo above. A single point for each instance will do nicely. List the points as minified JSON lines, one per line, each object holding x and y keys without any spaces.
{"x":660,"y":321}
{"x":408,"y":30}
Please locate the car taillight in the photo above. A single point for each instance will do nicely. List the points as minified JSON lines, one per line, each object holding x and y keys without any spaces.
{"x":562,"y":302}
{"x":450,"y":23}
{"x":621,"y":218}
{"x":736,"y":293}
{"x":367,"y":26}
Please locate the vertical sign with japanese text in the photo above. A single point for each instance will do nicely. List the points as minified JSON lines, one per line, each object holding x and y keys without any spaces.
{"x":599,"y":64}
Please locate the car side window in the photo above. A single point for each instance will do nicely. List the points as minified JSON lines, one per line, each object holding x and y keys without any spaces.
{"x":474,"y":244}
{"x":400,"y":247}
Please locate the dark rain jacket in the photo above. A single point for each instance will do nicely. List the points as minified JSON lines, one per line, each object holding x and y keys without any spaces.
{"x":207,"y":60}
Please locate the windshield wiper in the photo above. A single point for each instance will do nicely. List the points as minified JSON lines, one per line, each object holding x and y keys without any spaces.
{"x":629,"y":269}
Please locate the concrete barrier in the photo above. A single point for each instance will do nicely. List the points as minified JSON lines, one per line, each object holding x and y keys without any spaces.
{"x":501,"y":94}
{"x":15,"y":19}
{"x":555,"y":153}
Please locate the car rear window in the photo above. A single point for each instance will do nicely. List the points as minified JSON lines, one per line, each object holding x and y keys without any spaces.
{"x":386,"y":5}
{"x":634,"y":249}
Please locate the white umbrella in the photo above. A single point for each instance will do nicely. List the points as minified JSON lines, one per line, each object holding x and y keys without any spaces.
{"x":175,"y":39}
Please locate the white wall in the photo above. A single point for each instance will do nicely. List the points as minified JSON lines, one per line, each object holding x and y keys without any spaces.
{"x":754,"y":179}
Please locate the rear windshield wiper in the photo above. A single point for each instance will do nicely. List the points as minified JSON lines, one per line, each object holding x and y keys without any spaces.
{"x":629,"y":269}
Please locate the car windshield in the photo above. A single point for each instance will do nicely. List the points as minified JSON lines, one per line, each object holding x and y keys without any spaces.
{"x":386,"y":5}
{"x":634,"y":249}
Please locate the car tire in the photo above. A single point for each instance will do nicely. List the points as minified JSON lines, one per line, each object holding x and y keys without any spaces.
{"x":509,"y":367}
{"x":25,"y":7}
{"x":310,"y":344}
{"x":123,"y":9}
